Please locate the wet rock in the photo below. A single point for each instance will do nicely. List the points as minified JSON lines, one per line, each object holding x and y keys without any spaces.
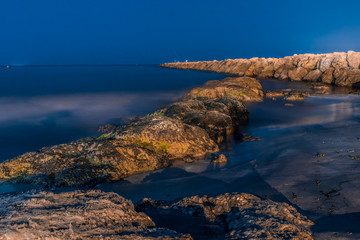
{"x":107,"y":128}
{"x":242,"y":88}
{"x":246,"y":216}
{"x":333,"y":68}
{"x":321,"y":88}
{"x":187,"y":130}
{"x":245,"y":138}
{"x":220,"y":159}
{"x":76,"y":215}
{"x":274,"y":93}
{"x":145,"y":144}
{"x":219,"y":117}
{"x":297,"y":95}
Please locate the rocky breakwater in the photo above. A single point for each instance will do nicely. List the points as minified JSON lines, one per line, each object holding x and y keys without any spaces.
{"x":337,"y":68}
{"x":99,"y":215}
{"x":187,"y":130}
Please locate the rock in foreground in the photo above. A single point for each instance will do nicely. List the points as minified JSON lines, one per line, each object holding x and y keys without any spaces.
{"x":337,"y":68}
{"x":187,"y":130}
{"x":95,"y":214}
{"x":244,"y":215}
{"x":146,"y":144}
{"x":76,"y":215}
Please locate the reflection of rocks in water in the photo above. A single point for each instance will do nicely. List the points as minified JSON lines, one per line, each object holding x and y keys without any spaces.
{"x":243,"y":215}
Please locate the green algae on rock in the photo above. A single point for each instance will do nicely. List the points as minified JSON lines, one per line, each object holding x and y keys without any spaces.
{"x":145,"y":144}
{"x":242,"y":88}
{"x":187,"y":130}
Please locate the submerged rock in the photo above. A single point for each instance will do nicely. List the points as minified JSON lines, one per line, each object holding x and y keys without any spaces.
{"x":274,"y":93}
{"x":244,"y":215}
{"x":290,"y":94}
{"x":333,"y":68}
{"x":296,"y":95}
{"x":76,"y":215}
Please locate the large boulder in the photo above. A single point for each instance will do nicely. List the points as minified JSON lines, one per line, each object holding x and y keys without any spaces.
{"x":76,"y":215}
{"x":353,"y":59}
{"x":219,"y":117}
{"x":297,"y":74}
{"x":146,"y":144}
{"x":313,"y":76}
{"x":245,"y":216}
{"x":242,"y":88}
{"x":348,"y":77}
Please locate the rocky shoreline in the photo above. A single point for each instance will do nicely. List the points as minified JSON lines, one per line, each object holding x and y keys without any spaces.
{"x":99,"y":215}
{"x":191,"y":129}
{"x":339,"y":68}
{"x":188,"y":130}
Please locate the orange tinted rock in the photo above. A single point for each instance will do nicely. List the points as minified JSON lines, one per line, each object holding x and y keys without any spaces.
{"x":297,"y":74}
{"x":313,"y":76}
{"x":353,"y":59}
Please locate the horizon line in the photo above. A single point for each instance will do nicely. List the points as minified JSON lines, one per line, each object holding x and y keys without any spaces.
{"x":80,"y":65}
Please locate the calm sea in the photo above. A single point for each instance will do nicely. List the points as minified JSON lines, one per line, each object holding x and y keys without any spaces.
{"x":47,"y":105}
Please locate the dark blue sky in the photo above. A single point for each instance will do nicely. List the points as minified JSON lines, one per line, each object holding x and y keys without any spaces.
{"x":119,"y":31}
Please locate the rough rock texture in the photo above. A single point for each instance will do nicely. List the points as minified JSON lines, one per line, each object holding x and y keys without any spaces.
{"x":289,"y":94}
{"x":220,"y":159}
{"x":242,"y":88}
{"x":76,"y":215}
{"x":186,"y":130}
{"x":219,"y":117}
{"x":145,"y":144}
{"x":334,"y":68}
{"x":245,"y":216}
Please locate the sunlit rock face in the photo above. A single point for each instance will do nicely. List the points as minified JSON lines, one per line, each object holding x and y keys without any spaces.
{"x":340,"y":69}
